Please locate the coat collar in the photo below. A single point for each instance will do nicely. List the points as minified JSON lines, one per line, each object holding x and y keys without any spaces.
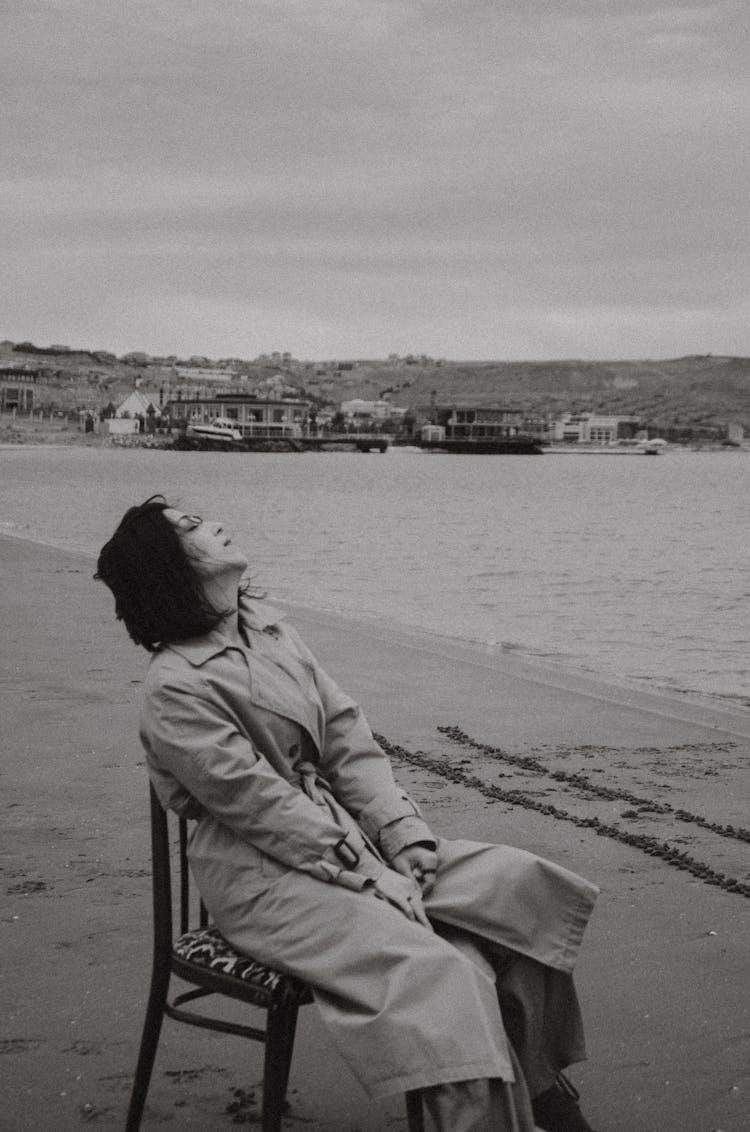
{"x":255,"y":614}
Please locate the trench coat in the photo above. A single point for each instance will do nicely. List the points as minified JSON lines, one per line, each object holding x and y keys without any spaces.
{"x":296,"y":812}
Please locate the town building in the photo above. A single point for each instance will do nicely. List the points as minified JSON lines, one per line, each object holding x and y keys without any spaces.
{"x":378,"y":410}
{"x":589,"y":428}
{"x":478,"y":422}
{"x":253,"y":416}
{"x":17,"y":389}
{"x":205,"y":373}
{"x":137,"y":413}
{"x":136,"y":404}
{"x":277,"y":358}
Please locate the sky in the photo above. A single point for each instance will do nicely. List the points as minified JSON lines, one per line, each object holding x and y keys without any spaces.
{"x":468,"y":179}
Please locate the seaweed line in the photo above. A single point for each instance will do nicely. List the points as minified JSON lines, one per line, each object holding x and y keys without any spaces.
{"x":649,"y":845}
{"x":529,"y":762}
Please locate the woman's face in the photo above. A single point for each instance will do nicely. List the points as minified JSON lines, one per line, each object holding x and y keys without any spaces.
{"x":209,"y":548}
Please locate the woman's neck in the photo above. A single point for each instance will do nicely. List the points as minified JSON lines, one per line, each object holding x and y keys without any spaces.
{"x":222,"y":594}
{"x":229,"y":627}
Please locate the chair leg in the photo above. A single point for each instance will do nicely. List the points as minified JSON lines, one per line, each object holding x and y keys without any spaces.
{"x":149,"y":1041}
{"x":281,"y":1028}
{"x":414,"y":1111}
{"x":292,"y":1011}
{"x":510,"y":1107}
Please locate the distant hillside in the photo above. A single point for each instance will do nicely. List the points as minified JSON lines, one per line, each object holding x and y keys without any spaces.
{"x":694,"y":393}
{"x":679,"y":392}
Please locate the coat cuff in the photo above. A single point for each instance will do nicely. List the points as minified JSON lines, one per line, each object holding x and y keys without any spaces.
{"x":405,"y":831}
{"x":383,"y":811}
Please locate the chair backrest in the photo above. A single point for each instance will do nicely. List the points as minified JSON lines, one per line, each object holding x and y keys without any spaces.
{"x":162,"y":852}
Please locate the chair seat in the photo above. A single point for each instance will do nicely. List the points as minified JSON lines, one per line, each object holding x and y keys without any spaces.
{"x":206,"y":947}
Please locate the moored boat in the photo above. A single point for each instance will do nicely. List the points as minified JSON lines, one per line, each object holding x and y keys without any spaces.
{"x":617,"y":448}
{"x":220,"y":428}
{"x":653,"y":447}
{"x":507,"y":446}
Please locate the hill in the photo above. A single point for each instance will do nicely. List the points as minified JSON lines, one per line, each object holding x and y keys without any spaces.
{"x":699,"y":393}
{"x":681,"y":392}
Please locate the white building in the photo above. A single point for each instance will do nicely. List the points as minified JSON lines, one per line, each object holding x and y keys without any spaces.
{"x":130,"y":412}
{"x":589,"y":428}
{"x":378,"y":410}
{"x":136,"y":404}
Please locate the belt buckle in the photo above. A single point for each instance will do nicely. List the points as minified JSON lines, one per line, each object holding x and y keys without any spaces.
{"x":349,"y":857}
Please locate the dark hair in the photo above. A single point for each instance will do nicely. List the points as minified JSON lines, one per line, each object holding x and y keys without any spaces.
{"x":158,"y":593}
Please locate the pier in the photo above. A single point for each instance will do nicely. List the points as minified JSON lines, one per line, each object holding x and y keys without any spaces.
{"x":327,"y":442}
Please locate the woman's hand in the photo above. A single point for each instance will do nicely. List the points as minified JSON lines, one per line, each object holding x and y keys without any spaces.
{"x":403,"y":893}
{"x":418,"y":862}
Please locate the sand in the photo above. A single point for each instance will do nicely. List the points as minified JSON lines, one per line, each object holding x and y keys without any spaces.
{"x":664,"y":970}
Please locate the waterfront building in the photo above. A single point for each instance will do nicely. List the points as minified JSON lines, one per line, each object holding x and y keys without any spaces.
{"x":590,"y":428}
{"x":17,"y":389}
{"x":136,"y":404}
{"x":253,"y":416}
{"x":478,"y":422}
{"x":136,"y":413}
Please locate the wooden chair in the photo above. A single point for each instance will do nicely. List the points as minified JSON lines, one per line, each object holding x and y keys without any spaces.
{"x":202,"y":957}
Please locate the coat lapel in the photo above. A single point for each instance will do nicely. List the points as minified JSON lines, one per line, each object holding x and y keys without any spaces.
{"x":279,"y":681}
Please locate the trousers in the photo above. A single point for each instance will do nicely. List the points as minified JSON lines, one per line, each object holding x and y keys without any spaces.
{"x":542,"y":1019}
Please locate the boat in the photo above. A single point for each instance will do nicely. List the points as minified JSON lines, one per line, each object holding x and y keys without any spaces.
{"x":617,"y":448}
{"x":220,"y":428}
{"x":653,"y":447}
{"x":507,"y":446}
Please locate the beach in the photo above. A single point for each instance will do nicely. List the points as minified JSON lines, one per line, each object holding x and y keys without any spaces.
{"x":663,"y":972}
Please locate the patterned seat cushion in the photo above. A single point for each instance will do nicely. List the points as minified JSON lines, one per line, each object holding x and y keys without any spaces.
{"x":206,"y":947}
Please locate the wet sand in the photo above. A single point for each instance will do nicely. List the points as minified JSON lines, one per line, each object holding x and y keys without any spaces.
{"x":612,"y":782}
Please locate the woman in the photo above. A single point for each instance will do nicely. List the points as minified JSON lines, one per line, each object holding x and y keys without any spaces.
{"x":437,"y":965}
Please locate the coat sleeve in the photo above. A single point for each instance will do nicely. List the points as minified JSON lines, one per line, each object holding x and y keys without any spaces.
{"x":358,"y":770}
{"x":188,"y":735}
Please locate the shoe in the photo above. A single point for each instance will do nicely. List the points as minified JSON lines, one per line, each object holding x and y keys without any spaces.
{"x":556,"y":1109}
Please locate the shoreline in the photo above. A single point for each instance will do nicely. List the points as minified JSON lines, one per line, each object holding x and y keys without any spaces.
{"x":688,"y":707}
{"x":22,"y":432}
{"x":663,"y":966}
{"x":681,"y":708}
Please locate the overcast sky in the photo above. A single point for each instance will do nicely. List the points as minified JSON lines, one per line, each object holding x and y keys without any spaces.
{"x":349,"y":178}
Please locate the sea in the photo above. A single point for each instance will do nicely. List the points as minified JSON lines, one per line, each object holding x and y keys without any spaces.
{"x":628,"y":568}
